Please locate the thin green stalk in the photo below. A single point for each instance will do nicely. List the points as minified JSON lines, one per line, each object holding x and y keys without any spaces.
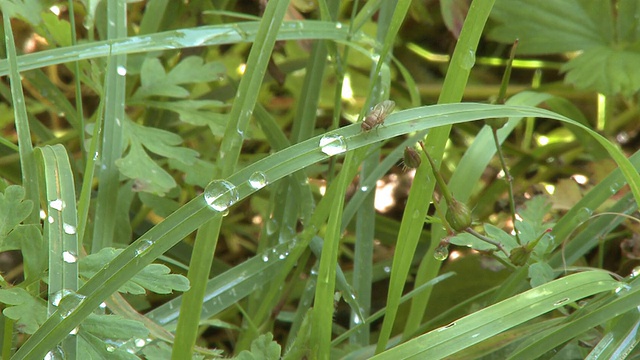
{"x":422,"y":187}
{"x":112,"y":133}
{"x":509,"y":179}
{"x":239,"y":116}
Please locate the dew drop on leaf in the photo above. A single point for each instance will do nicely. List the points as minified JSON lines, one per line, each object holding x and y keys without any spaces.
{"x":333,"y":144}
{"x":69,"y":303}
{"x":143,"y":246}
{"x":57,"y":204}
{"x":220,"y":195}
{"x":468,"y":60}
{"x":69,"y":257}
{"x":122,"y":71}
{"x":69,"y":229}
{"x":258,"y":180}
{"x":441,"y":253}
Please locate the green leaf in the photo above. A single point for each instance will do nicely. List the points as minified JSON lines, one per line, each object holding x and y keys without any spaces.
{"x":13,"y":210}
{"x":58,"y":29}
{"x":137,"y":165}
{"x":162,"y":351}
{"x":199,"y":173}
{"x":154,"y":277}
{"x":114,"y":327}
{"x":547,"y":27}
{"x":540,"y":273}
{"x":28,"y":10}
{"x":196,"y":112}
{"x":606,"y":70}
{"x":28,"y":311}
{"x":155,"y":82}
{"x":534,"y":210}
{"x":262,"y":348}
{"x":92,"y":347}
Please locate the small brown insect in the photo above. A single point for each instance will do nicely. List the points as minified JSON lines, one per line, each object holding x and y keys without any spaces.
{"x":376,"y":116}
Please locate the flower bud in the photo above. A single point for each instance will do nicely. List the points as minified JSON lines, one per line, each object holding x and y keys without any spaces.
{"x":458,"y":215}
{"x":411,"y":158}
{"x":520,"y":255}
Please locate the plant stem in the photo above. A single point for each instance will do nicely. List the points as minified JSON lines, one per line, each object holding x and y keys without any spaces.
{"x":486,"y":239}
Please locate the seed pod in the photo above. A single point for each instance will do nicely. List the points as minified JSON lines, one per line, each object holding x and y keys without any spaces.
{"x":458,"y":215}
{"x":520,"y":255}
{"x":376,"y":116}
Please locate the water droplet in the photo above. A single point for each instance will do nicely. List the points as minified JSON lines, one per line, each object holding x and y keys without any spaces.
{"x":364,"y":188}
{"x":258,"y":180}
{"x":333,"y":144}
{"x":122,"y":71}
{"x":55,"y":354}
{"x":69,"y":257}
{"x":74,"y":331}
{"x":57,"y":204}
{"x":449,"y":326}
{"x":272,"y":226}
{"x":143,"y":246}
{"x":416,"y":214}
{"x":387,"y":269}
{"x":356,"y":319}
{"x":69,"y":229}
{"x":584,"y":214}
{"x":220,"y":195}
{"x":111,"y":348}
{"x":103,"y":305}
{"x":560,"y":302}
{"x":51,"y":219}
{"x":614,"y":188}
{"x":55,"y":299}
{"x":283,"y":256}
{"x":468,"y":60}
{"x":265,"y":258}
{"x":69,"y":303}
{"x":441,"y":253}
{"x":338,"y":25}
{"x":635,"y":272}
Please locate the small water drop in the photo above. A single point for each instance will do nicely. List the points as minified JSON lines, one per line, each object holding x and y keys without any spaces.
{"x":122,"y":71}
{"x":220,"y":195}
{"x":69,"y":229}
{"x":111,"y":348}
{"x":387,"y":269}
{"x":364,"y":188}
{"x":69,"y":257}
{"x":416,"y":214}
{"x":51,"y":219}
{"x":143,"y":246}
{"x":258,"y":180}
{"x":55,"y":354}
{"x":55,"y":299}
{"x":265,"y":258}
{"x":584,"y":214}
{"x":282,"y":256}
{"x":468,"y":60}
{"x":356,"y":319}
{"x":70,"y":303}
{"x":441,"y":253}
{"x":333,"y":144}
{"x":140,"y":342}
{"x":338,"y":25}
{"x":272,"y":226}
{"x":635,"y":272}
{"x":74,"y":331}
{"x":560,"y":302}
{"x":57,"y":204}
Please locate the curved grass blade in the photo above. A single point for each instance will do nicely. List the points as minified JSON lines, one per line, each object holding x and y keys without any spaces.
{"x":502,"y":316}
{"x":189,"y":217}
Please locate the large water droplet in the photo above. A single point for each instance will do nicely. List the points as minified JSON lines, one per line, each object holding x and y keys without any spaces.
{"x":468,"y":60}
{"x":56,"y":354}
{"x":55,"y":299}
{"x":69,"y":229}
{"x":220,"y":195}
{"x":69,"y":303}
{"x":258,"y":180}
{"x":69,"y":257}
{"x":122,"y":71}
{"x":143,"y":246}
{"x":57,"y":204}
{"x":441,"y":253}
{"x":333,"y":144}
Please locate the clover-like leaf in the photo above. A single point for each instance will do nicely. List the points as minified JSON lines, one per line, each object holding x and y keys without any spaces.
{"x":154,"y":277}
{"x":162,"y":351}
{"x":28,"y":311}
{"x":114,"y":327}
{"x":139,"y":166}
{"x":196,"y":112}
{"x":13,"y":210}
{"x":156,"y":82}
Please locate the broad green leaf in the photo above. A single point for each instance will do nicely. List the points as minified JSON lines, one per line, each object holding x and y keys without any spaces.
{"x":199,"y":173}
{"x":114,"y":327}
{"x":262,"y":348}
{"x":540,"y":273}
{"x":13,"y":210}
{"x":547,"y":27}
{"x":162,"y":351}
{"x":196,"y":112}
{"x":535,"y":210}
{"x":154,"y":277}
{"x":155,"y":82}
{"x":605,"y":69}
{"x":29,"y":312}
{"x":29,"y":10}
{"x":137,"y":165}
{"x":58,"y":29}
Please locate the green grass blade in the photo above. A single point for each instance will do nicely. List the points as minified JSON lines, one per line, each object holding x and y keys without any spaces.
{"x":60,"y":230}
{"x":189,"y":217}
{"x":502,"y":316}
{"x":423,"y":184}
{"x":112,"y":133}
{"x":239,"y":116}
{"x":27,"y":159}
